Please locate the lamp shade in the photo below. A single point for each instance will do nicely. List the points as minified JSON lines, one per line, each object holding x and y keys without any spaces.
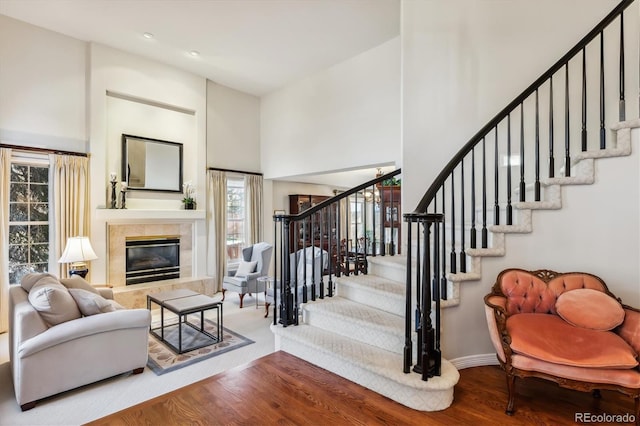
{"x":78,"y":249}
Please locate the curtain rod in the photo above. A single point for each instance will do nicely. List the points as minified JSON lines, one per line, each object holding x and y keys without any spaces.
{"x":234,"y":171}
{"x":44,"y":150}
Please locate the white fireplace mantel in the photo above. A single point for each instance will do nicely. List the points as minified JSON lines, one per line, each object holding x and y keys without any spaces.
{"x":148,"y":214}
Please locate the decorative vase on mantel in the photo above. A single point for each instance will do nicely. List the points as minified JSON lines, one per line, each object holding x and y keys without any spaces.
{"x":190,"y":205}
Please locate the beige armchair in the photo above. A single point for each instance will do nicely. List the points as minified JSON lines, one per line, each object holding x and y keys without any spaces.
{"x":64,"y":334}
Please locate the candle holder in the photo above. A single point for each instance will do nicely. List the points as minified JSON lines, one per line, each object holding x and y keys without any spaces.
{"x":114,"y":198}
{"x":123,"y":194}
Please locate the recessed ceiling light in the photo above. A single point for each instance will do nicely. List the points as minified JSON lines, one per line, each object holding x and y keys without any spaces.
{"x":194,"y":53}
{"x":147,"y":35}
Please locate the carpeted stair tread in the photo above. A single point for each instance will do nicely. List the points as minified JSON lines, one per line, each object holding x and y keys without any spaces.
{"x":378,"y":361}
{"x":358,"y":313}
{"x":373,"y":283}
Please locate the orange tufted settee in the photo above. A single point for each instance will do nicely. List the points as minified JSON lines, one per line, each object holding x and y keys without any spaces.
{"x":567,"y":328}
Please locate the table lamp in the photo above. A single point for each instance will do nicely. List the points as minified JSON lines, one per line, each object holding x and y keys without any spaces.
{"x":77,"y":252}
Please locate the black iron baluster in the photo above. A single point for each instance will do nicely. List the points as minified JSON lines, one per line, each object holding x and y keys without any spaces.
{"x":280,"y":246}
{"x":484,"y":195}
{"x":496,"y":206}
{"x":452,"y":259}
{"x":584,"y":100}
{"x":552,"y":166}
{"x":374,"y":250}
{"x":286,"y":309}
{"x":355,"y":236}
{"x":443,"y":248}
{"x":567,"y":130}
{"x":392,"y":242}
{"x":509,"y":210}
{"x":383,"y":219}
{"x":436,"y":355}
{"x":325,"y":234}
{"x":603,"y":134}
{"x":537,"y":151}
{"x":463,"y":260}
{"x":522,"y":184}
{"x":473,"y":235}
{"x":408,"y":344}
{"x":302,"y":255}
{"x":313,"y":257}
{"x":621,"y":107}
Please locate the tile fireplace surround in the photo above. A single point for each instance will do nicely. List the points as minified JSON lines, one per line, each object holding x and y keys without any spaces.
{"x":134,"y":296}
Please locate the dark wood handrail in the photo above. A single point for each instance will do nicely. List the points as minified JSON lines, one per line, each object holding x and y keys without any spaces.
{"x":336,"y":198}
{"x":448,"y":169}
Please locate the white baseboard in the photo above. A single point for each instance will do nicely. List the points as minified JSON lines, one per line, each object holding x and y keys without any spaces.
{"x":474,"y":361}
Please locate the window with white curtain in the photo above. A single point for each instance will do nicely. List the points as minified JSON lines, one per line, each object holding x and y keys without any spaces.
{"x":28,"y":217}
{"x":236,"y":219}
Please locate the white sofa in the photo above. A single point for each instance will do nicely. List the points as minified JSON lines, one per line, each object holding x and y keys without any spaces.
{"x":48,"y":357}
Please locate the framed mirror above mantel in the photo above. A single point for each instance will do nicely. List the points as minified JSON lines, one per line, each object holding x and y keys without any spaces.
{"x":152,"y":164}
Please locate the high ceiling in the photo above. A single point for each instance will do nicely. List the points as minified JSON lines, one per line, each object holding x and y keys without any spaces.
{"x":255,"y":46}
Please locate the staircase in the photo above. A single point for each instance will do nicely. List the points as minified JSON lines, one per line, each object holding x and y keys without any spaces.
{"x":377,"y":324}
{"x":359,"y":334}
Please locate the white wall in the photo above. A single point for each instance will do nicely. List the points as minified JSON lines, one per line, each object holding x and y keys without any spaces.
{"x":463,"y":61}
{"x":344,"y":117}
{"x":42,"y":87}
{"x":233,"y":129}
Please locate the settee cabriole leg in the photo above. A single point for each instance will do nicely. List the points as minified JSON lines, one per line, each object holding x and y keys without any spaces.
{"x":241,"y":298}
{"x":28,"y":406}
{"x":511,"y":387}
{"x":266,"y":309}
{"x":223,"y":292}
{"x":138,"y":370}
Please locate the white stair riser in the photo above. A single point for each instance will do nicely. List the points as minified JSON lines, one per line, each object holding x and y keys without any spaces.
{"x":389,"y":272}
{"x":423,"y":400}
{"x":392,"y":341}
{"x":387,"y":303}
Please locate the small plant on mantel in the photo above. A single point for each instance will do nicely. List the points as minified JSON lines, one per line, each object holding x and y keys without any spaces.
{"x":188,"y":191}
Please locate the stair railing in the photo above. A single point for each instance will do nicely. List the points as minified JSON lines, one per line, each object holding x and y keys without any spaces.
{"x":456,"y":204}
{"x":331,"y":239}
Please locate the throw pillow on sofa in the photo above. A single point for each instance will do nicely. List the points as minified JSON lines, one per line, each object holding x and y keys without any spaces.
{"x":53,"y":301}
{"x":588,"y":308}
{"x":91,"y":303}
{"x":29,"y":280}
{"x":76,"y":281}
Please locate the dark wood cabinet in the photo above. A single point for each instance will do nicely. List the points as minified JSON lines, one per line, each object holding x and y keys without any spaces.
{"x":316,"y":231}
{"x":391,"y":222}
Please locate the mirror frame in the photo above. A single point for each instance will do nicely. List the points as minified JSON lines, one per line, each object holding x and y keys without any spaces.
{"x":125,"y":177}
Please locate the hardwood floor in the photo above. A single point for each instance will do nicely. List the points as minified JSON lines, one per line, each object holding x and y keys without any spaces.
{"x":284,"y":390}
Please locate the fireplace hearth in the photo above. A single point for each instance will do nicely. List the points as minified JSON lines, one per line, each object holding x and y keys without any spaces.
{"x":152,"y":258}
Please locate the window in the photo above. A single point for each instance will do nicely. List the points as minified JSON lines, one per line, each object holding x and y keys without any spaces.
{"x":28,"y":220}
{"x":236,"y":224}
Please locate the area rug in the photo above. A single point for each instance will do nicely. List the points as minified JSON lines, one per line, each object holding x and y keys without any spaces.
{"x":163,"y":360}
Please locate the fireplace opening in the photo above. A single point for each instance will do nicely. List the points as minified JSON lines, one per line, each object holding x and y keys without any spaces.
{"x":152,"y":259}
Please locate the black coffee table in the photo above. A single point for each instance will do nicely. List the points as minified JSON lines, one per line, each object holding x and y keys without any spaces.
{"x":183,"y":302}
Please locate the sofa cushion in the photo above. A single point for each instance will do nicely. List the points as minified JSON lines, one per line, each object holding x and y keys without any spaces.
{"x":549,"y":338}
{"x":91,"y":303}
{"x":590,"y":309}
{"x":245,"y":268}
{"x":76,"y":281}
{"x":53,"y":301}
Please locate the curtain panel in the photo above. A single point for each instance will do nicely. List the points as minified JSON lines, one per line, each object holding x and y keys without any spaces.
{"x":71,"y":214}
{"x":217,"y":226}
{"x":5,"y":177}
{"x":253,"y":194}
